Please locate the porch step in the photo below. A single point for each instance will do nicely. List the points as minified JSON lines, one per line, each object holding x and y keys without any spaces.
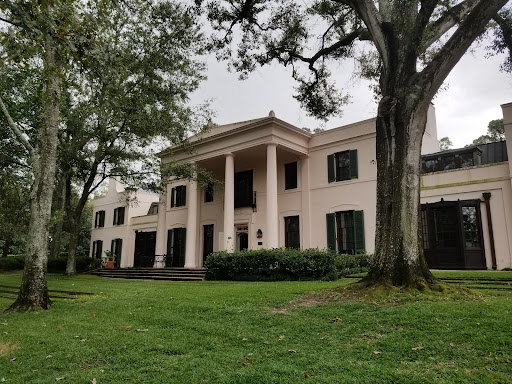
{"x":172,"y":274}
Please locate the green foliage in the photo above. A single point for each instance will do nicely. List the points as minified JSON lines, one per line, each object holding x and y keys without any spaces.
{"x":271,"y":265}
{"x":57,"y":265}
{"x":495,"y":132}
{"x":445,"y":143}
{"x":83,"y":264}
{"x":350,"y":264}
{"x":12,"y":263}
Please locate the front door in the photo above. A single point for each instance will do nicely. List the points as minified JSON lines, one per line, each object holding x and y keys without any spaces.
{"x":144,"y":255}
{"x":243,"y":241}
{"x":447,"y":237}
{"x":176,"y":239}
{"x":452,"y":235}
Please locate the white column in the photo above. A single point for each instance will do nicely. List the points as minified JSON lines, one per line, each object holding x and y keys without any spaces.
{"x":306,"y":212}
{"x":160,"y":246}
{"x":191,"y":241}
{"x":272,"y":227}
{"x":507,"y":125}
{"x":229,"y":204}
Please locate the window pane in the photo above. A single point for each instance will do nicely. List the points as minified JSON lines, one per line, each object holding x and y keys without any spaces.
{"x":342,"y":160}
{"x":292,"y":232}
{"x":470,"y":225}
{"x":290,"y":175}
{"x":448,"y":162}
{"x":208,"y":193}
{"x":424,"y":225}
{"x":243,"y":189}
{"x":345,"y":232}
{"x":466,"y":160}
{"x":431,"y":165}
{"x":446,"y":225}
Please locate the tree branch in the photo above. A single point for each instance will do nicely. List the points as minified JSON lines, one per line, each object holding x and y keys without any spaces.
{"x":452,"y":17}
{"x":434,"y":74}
{"x":17,"y":132}
{"x":10,"y":22}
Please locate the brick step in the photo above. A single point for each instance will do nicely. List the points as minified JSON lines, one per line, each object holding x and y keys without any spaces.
{"x":152,"y":277}
{"x":176,"y":274}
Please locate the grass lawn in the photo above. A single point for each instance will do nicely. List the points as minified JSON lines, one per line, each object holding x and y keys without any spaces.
{"x":225,"y":332}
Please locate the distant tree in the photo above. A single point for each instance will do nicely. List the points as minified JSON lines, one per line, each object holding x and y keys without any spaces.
{"x":411,"y":47}
{"x":445,"y":143}
{"x":495,"y":132}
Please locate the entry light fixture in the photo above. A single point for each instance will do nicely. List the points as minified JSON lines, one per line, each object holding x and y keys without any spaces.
{"x":259,"y":234}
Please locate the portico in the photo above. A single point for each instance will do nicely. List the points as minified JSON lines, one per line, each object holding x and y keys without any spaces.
{"x":247,"y":162}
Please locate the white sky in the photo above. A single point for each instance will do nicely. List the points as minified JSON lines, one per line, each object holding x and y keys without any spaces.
{"x":475,"y":90}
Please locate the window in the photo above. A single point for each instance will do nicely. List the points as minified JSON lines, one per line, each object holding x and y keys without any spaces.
{"x":119,"y":216}
{"x":179,"y":196}
{"x":291,"y":232}
{"x":153,"y":209}
{"x":345,"y":232}
{"x":342,"y":166}
{"x":116,"y":247}
{"x":290,"y":175}
{"x":99,"y":219}
{"x":243,"y":189}
{"x":208,"y":193}
{"x":207,"y":240}
{"x":452,"y":159}
{"x":97,"y":249}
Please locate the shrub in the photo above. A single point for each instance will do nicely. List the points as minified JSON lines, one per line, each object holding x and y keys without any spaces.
{"x":350,"y":264}
{"x":271,"y":265}
{"x":57,"y":265}
{"x":83,"y":264}
{"x":12,"y":262}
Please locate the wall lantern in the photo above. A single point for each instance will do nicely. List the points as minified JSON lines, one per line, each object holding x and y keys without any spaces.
{"x":259,"y":234}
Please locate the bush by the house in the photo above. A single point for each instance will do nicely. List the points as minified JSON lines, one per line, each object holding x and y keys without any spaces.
{"x":58,"y":265}
{"x":349,"y":264}
{"x":271,"y":265}
{"x":11,"y":262}
{"x":83,"y":264}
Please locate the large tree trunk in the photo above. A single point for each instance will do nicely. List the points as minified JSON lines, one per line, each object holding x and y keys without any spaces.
{"x":34,"y":289}
{"x":7,"y":246}
{"x":59,"y":213}
{"x":399,"y":259}
{"x":73,"y":243}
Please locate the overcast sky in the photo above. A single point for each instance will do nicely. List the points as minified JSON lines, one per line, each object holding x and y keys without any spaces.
{"x":474,"y":91}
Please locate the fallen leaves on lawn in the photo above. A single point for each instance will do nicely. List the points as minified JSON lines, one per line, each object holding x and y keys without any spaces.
{"x":292,"y":351}
{"x":417,"y":348}
{"x":376,"y":352}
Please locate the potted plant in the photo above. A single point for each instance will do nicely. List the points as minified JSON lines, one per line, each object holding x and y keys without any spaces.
{"x":111,"y":260}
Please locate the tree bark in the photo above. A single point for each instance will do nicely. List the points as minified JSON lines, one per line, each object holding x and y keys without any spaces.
{"x":33,"y":293}
{"x":399,"y":259}
{"x":7,"y":246}
{"x":60,"y":203}
{"x":73,"y":243}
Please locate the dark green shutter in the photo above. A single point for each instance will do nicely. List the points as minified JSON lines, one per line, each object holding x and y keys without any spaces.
{"x":184,"y":196}
{"x":331,"y":176}
{"x":114,"y":222}
{"x":359,"y":232}
{"x":172,"y":196}
{"x":331,"y":231}
{"x":353,"y":164}
{"x":120,"y":215}
{"x":183,"y":240}
{"x":112,"y":246}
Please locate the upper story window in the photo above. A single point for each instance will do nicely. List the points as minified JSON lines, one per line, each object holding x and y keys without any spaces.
{"x":99,"y":219}
{"x":153,"y":209}
{"x":118,"y":216}
{"x":453,"y":159}
{"x":342,"y":166}
{"x":179,"y":196}
{"x":243,"y":189}
{"x":290,"y":175}
{"x":208,"y":193}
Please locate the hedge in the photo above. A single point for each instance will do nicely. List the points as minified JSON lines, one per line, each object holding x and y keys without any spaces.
{"x":350,"y":264}
{"x":58,"y":265}
{"x":271,"y":265}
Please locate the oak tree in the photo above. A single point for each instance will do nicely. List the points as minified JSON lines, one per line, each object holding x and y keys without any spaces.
{"x":408,"y":46}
